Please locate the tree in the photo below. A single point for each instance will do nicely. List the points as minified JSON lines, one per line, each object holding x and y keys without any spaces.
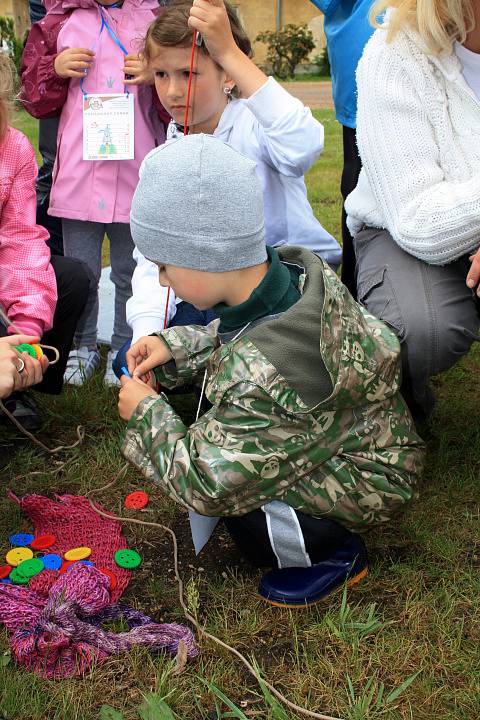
{"x":287,"y":48}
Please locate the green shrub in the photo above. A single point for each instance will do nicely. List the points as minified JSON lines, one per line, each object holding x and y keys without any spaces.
{"x":322,"y":62}
{"x":8,"y":38}
{"x":287,"y":48}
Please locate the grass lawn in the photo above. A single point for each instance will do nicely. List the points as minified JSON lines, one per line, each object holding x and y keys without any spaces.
{"x":404,"y":645}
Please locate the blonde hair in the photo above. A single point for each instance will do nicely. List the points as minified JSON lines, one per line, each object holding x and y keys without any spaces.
{"x":6,"y":91}
{"x":439,"y":22}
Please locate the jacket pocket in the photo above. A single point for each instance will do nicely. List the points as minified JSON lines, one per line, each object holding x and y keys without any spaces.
{"x":377,"y":294}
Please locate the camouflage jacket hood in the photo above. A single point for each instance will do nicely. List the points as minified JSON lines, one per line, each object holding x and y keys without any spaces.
{"x":305,"y":409}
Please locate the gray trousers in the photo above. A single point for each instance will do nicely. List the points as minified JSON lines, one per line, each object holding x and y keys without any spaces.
{"x":429,"y":307}
{"x":83,"y":240}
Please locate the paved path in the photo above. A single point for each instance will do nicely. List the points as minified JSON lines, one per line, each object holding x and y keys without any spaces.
{"x":314,"y":94}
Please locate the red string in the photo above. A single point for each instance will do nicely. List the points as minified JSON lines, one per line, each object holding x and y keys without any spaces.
{"x":189,"y":89}
{"x":185,"y":131}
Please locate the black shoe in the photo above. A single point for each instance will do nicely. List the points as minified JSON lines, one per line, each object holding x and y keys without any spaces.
{"x":23,"y":408}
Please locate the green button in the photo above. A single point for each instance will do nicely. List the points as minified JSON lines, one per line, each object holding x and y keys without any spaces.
{"x":30,"y":568}
{"x":17,"y":578}
{"x":127,"y":559}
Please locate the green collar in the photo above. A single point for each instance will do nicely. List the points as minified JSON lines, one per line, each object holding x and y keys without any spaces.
{"x":277,"y":292}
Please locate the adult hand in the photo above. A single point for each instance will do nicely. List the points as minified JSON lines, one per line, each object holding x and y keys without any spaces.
{"x":19,"y":370}
{"x":131,"y":393}
{"x":147,"y":353}
{"x":473,"y":276}
{"x":73,"y":62}
{"x":137,"y":71}
{"x":210,"y":19}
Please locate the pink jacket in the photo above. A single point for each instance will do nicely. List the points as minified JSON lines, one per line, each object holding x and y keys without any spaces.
{"x":100,"y":191}
{"x":28,"y":289}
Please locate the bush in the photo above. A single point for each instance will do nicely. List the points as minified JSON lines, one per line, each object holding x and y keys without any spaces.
{"x":8,"y":38}
{"x":322,"y":62}
{"x":287,"y":48}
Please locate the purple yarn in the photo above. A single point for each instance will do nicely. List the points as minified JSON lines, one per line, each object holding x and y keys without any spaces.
{"x":66,"y":637}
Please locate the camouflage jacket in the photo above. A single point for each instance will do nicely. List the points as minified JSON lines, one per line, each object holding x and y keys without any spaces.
{"x":305,"y":409}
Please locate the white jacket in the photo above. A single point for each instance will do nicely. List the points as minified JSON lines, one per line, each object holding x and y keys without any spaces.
{"x":282,"y":136}
{"x":418,"y":133}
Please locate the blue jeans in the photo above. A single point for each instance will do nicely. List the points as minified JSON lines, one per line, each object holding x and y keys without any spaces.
{"x":186,"y":314}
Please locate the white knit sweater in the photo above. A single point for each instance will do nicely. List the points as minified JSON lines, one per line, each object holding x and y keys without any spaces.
{"x":418,"y":131}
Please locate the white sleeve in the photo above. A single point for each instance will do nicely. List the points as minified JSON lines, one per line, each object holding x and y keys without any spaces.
{"x":289,"y":137}
{"x":434,"y":219}
{"x":146,"y":307}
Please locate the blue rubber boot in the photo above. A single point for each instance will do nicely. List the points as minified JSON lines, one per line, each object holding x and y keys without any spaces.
{"x":299,"y":587}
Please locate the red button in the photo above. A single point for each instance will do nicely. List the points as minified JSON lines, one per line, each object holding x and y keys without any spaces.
{"x":5,"y":571}
{"x":111,"y":576}
{"x":136,"y":500}
{"x":65,"y":565}
{"x":42,"y":542}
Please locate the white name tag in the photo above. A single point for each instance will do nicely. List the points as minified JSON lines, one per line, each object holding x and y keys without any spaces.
{"x":108,"y":127}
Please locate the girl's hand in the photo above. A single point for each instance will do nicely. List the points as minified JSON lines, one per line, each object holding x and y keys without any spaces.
{"x":137,"y":72}
{"x":73,"y":62}
{"x":210,"y":19}
{"x":473,"y":276}
{"x":132,"y":392}
{"x":146,"y":354}
{"x":12,"y":375}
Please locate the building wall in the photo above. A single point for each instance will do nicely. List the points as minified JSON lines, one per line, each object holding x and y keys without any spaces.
{"x":18,"y":10}
{"x":260,"y":15}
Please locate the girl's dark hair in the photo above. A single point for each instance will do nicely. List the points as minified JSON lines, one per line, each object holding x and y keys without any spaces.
{"x":170,"y":29}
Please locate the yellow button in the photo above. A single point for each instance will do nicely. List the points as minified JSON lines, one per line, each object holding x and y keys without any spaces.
{"x":17,"y":555}
{"x":79,"y":553}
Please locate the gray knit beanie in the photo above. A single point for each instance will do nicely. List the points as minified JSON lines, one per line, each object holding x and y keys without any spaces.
{"x":199,"y":205}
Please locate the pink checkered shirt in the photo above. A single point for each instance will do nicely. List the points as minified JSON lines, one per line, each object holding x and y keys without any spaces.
{"x":28,"y":289}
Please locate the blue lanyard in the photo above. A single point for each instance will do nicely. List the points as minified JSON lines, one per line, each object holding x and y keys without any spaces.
{"x":115,"y":38}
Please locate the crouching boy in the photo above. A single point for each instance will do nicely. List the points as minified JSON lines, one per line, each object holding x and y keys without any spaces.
{"x":307,"y":441}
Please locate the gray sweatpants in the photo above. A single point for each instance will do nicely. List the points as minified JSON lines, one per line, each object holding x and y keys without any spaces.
{"x":430,"y":308}
{"x":83,"y":240}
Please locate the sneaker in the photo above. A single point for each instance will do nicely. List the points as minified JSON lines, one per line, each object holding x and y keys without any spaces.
{"x":300,"y":587}
{"x":110,"y":378}
{"x":23,"y":408}
{"x":81,"y":365}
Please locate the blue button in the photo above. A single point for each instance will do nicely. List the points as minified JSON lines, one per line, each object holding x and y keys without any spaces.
{"x":80,"y":562}
{"x":20,"y":539}
{"x":52,"y":561}
{"x":6,"y":581}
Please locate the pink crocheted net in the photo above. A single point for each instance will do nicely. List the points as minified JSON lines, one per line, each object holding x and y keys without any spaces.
{"x":74,"y":524}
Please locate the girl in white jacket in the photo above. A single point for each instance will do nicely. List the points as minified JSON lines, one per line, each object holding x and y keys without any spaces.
{"x":267,"y":124}
{"x":415,"y":212}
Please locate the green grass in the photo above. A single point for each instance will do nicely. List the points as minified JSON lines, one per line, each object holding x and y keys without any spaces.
{"x":404,"y":645}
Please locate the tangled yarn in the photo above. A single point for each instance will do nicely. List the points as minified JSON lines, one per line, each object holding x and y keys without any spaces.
{"x":65,"y":637}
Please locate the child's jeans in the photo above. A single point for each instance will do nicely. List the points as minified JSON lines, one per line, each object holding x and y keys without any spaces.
{"x":186,"y":314}
{"x":83,"y":240}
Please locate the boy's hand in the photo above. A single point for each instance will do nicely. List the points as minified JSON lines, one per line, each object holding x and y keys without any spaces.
{"x":473,"y":277}
{"x":136,"y":71}
{"x":132,"y":392}
{"x":210,"y":19}
{"x":73,"y":62}
{"x":147,"y":353}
